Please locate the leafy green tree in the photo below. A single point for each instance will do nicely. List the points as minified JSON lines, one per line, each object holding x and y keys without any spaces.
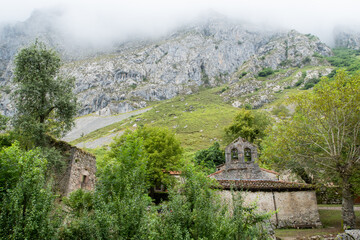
{"x":323,"y":137}
{"x":162,"y":149}
{"x":211,"y":157}
{"x":196,"y":211}
{"x":119,"y":206}
{"x":27,"y":203}
{"x":249,"y":125}
{"x":44,"y":101}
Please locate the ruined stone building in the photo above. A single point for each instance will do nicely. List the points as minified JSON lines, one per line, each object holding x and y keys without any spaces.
{"x":294,"y":204}
{"x":79,"y":169}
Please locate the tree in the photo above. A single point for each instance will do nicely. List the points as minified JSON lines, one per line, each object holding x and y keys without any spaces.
{"x":120,"y":205}
{"x":44,"y":101}
{"x":210,"y":157}
{"x":249,"y":125}
{"x":162,"y":149}
{"x":323,"y":137}
{"x":26,"y":202}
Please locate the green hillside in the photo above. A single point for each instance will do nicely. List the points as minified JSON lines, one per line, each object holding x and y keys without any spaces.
{"x":199,"y":119}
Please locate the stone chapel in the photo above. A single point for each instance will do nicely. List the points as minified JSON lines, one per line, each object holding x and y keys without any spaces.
{"x":294,"y":204}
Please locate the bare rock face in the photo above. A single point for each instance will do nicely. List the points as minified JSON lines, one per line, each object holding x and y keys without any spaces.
{"x":209,"y":53}
{"x":347,"y":39}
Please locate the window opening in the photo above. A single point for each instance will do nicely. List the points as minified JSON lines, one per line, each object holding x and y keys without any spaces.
{"x":234,"y":154}
{"x":247,"y":152}
{"x":84,"y":181}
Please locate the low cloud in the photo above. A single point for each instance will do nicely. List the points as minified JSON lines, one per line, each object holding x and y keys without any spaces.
{"x":110,"y":20}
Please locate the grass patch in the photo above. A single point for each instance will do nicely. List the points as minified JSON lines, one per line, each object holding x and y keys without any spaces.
{"x":331,"y":220}
{"x":197,"y":119}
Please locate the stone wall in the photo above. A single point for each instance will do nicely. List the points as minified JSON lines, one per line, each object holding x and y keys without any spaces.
{"x":82,"y":171}
{"x":295,"y":209}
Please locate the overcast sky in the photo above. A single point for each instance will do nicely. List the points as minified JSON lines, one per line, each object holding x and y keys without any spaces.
{"x":99,"y":19}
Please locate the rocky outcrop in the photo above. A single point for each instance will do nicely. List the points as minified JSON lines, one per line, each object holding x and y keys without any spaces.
{"x":208,"y":53}
{"x":347,"y":39}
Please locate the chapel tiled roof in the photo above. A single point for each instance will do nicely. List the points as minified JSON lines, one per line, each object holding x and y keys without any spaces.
{"x":264,"y":185}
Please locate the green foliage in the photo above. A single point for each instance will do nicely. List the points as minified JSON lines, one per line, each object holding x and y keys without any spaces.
{"x":120,"y":201}
{"x":280,"y":111}
{"x":6,"y":139}
{"x":249,"y":125}
{"x":242,"y":75}
{"x":3,"y":122}
{"x":43,"y":99}
{"x":299,"y":82}
{"x":79,"y":202}
{"x":162,"y":149}
{"x":248,"y":106}
{"x":211,"y":157}
{"x":195,"y":211}
{"x":26,"y":202}
{"x":301,"y":79}
{"x":322,"y":138}
{"x":265,"y":72}
{"x":311,"y":83}
{"x":345,"y":58}
{"x":81,"y":228}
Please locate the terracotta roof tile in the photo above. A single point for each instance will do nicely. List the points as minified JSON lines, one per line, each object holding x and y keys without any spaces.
{"x":215,"y":173}
{"x":264,"y":185}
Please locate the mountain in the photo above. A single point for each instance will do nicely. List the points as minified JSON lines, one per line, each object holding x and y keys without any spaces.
{"x":212,"y":52}
{"x":345,"y":38}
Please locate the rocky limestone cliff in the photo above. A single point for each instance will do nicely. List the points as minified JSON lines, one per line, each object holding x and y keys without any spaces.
{"x":347,"y":39}
{"x":209,"y":53}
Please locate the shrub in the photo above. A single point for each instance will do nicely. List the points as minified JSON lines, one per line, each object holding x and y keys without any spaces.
{"x":211,"y":157}
{"x":265,"y":72}
{"x":242,"y":75}
{"x":311,"y":83}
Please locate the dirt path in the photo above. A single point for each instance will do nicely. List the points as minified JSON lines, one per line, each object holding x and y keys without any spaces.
{"x":88,"y":124}
{"x":100,"y":141}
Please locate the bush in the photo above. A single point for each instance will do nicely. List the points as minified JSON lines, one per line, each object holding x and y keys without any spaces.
{"x":79,"y":201}
{"x":265,"y":72}
{"x":242,"y":75}
{"x":311,"y":83}
{"x":211,"y":157}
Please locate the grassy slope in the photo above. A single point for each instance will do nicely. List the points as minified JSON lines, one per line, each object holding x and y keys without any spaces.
{"x":197,"y":119}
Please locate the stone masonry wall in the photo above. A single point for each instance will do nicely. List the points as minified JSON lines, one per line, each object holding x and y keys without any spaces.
{"x":82,"y":171}
{"x":290,"y":209}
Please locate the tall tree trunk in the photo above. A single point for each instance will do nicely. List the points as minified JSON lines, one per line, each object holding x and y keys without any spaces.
{"x":347,"y":210}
